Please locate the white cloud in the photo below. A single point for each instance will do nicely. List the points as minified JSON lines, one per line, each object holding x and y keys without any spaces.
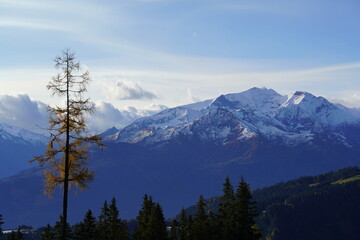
{"x":191,"y":97}
{"x":349,"y":99}
{"x":129,"y":90}
{"x":21,"y":111}
{"x":107,"y":116}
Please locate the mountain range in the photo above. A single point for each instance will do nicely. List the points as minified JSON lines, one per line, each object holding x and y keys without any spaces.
{"x":182,"y":152}
{"x":293,"y":120}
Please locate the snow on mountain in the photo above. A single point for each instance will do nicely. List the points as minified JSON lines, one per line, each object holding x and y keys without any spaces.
{"x":292,"y":119}
{"x":302,"y":107}
{"x":257,"y":99}
{"x":20,"y":135}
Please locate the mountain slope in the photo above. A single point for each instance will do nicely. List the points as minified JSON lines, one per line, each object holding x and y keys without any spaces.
{"x":17,"y":146}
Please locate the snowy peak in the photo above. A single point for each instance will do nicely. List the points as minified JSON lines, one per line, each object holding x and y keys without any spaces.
{"x":232,"y":117}
{"x":305,"y":99}
{"x":301,"y":106}
{"x":257,"y":99}
{"x":20,"y":135}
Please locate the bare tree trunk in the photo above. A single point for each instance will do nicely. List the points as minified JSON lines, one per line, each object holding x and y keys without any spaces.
{"x":66,"y":176}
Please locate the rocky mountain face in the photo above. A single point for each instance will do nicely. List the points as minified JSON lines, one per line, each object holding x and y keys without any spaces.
{"x":183,"y":152}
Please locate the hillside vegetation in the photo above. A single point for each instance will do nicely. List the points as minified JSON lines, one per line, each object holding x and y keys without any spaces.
{"x":318,"y":207}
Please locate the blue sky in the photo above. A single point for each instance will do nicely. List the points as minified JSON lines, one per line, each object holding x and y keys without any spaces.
{"x":146,"y":53}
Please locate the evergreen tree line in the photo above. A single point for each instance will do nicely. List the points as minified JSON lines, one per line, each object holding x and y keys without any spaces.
{"x":234,"y":220}
{"x":108,"y":226}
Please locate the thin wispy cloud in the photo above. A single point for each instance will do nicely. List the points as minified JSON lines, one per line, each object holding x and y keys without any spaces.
{"x":30,"y":24}
{"x":210,"y":85}
{"x":210,"y":47}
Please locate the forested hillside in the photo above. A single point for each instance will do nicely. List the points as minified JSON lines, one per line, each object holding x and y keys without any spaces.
{"x":319,"y":207}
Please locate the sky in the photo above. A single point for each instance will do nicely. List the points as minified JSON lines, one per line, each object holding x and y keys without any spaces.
{"x":143,"y":55}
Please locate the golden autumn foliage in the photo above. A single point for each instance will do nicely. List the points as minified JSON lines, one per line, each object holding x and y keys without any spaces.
{"x":67,"y":151}
{"x":66,"y":156}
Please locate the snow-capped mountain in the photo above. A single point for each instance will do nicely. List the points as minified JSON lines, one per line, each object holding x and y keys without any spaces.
{"x":258,"y":112}
{"x":20,"y":135}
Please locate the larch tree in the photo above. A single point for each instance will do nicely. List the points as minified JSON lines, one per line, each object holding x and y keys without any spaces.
{"x":66,"y":155}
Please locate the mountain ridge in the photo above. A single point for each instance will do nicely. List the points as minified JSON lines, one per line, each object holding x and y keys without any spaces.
{"x":296,"y":117}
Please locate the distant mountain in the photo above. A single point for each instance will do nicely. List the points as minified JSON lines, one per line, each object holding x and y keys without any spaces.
{"x":17,"y":146}
{"x":325,"y":206}
{"x":295,"y":119}
{"x":183,"y":152}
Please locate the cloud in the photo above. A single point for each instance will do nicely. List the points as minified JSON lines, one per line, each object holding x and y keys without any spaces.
{"x":129,"y":90}
{"x":191,"y":97}
{"x":19,"y":110}
{"x":349,"y":99}
{"x":107,"y":116}
{"x":31,"y":24}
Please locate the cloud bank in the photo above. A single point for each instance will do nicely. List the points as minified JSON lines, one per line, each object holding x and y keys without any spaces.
{"x":129,"y":90}
{"x":106,"y":115}
{"x":21,"y":111}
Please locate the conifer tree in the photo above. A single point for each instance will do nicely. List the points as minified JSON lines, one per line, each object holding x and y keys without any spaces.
{"x":245,"y":213}
{"x":86,"y":230}
{"x":1,"y":223}
{"x":201,"y":221}
{"x":226,"y":213}
{"x":117,"y":229}
{"x":142,"y":231}
{"x":157,"y":225}
{"x":19,"y":235}
{"x":11,"y":236}
{"x":48,"y":233}
{"x":58,"y":229}
{"x":89,"y":226}
{"x":184,"y":226}
{"x":173,"y":235}
{"x":66,"y":153}
{"x":78,"y":231}
{"x":104,"y":218}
